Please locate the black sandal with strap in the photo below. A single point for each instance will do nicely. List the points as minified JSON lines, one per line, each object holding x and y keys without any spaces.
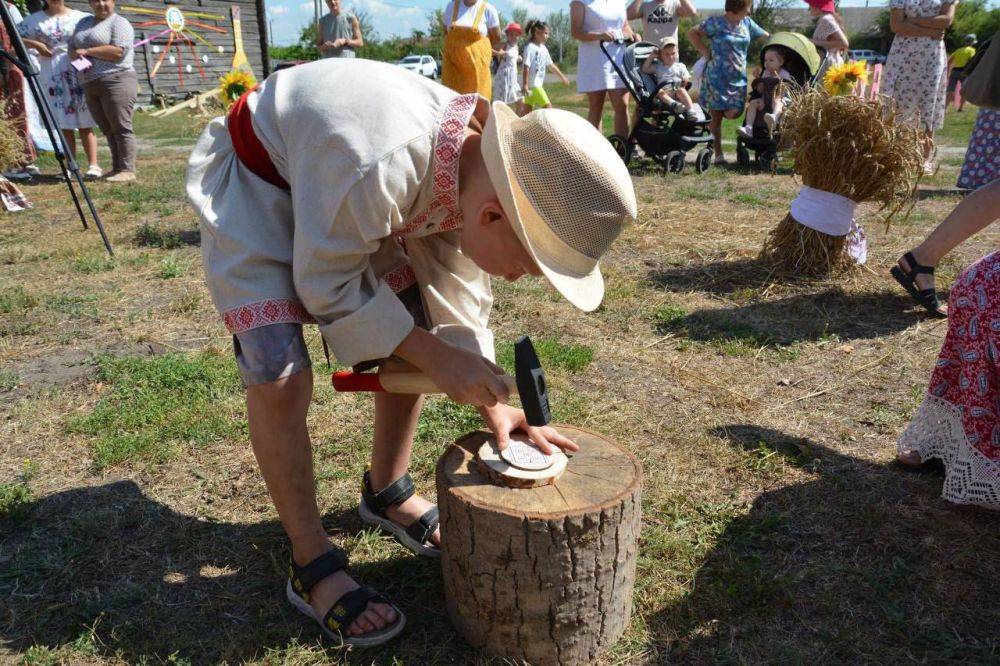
{"x":925,"y":297}
{"x":415,"y":537}
{"x":346,"y":609}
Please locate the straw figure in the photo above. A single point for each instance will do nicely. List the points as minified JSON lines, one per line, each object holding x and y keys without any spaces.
{"x":11,"y":144}
{"x":847,"y":150}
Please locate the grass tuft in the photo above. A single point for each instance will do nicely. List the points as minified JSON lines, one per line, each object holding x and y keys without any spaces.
{"x":572,"y":357}
{"x":156,"y":406}
{"x":89,"y":264}
{"x":16,"y":300}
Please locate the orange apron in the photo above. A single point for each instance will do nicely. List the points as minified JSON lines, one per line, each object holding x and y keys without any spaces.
{"x":467,"y":56}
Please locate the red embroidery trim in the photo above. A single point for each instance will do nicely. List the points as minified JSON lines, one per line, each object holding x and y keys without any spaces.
{"x":263,"y":313}
{"x":447,"y":150}
{"x":399,"y":278}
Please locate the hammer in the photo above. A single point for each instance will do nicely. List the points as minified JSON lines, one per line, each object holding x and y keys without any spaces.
{"x":528,"y":382}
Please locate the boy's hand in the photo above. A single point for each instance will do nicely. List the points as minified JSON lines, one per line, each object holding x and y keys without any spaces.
{"x":469,"y":378}
{"x":504,"y":419}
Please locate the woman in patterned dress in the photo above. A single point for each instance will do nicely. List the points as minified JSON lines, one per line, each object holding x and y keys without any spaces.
{"x":916,"y":71}
{"x":958,"y":422}
{"x":724,"y":41}
{"x":48,"y":32}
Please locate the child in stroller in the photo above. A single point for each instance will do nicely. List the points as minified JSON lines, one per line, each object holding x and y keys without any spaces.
{"x":788,"y":60}
{"x":672,"y":79}
{"x":767,"y":100}
{"x":662,"y":127}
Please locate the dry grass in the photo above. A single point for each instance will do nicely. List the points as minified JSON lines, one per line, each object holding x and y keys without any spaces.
{"x":776,"y":528}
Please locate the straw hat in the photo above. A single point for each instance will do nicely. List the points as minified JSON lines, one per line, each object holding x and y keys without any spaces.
{"x":565,"y":190}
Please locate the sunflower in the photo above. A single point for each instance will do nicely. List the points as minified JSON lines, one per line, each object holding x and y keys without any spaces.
{"x":234,"y":84}
{"x":841,"y":79}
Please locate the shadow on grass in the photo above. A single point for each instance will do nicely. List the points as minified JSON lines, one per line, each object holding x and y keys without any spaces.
{"x":802,"y":317}
{"x":859,"y":562}
{"x":782,"y":321}
{"x":148,"y":583}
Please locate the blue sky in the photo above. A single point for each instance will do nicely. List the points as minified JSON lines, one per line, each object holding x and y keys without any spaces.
{"x":393,"y":17}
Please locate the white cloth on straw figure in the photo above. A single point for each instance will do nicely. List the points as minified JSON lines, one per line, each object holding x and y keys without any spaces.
{"x":833,"y":215}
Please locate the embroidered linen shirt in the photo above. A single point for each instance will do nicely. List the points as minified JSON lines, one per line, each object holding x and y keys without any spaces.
{"x":369,"y":172}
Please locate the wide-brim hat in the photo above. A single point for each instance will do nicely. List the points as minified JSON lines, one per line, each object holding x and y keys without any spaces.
{"x":565,"y":191}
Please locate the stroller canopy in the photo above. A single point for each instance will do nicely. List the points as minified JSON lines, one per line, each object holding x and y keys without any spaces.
{"x":800,"y":46}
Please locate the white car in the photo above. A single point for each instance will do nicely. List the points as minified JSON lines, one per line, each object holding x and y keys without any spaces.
{"x":421,"y":64}
{"x":873,"y":57}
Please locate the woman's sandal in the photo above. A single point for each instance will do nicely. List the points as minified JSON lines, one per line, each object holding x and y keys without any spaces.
{"x":925,"y":297}
{"x":417,"y":536}
{"x":346,"y":609}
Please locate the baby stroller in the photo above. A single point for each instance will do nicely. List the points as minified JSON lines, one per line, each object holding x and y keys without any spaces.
{"x":663,"y":134}
{"x":802,"y":61}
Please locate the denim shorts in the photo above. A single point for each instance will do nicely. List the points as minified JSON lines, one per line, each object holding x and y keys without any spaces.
{"x":270,"y":353}
{"x":276,"y":351}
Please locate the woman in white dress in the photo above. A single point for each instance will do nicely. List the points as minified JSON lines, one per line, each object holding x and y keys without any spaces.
{"x":505,"y":85}
{"x":47,"y":32}
{"x":594,"y":21}
{"x":916,"y":71}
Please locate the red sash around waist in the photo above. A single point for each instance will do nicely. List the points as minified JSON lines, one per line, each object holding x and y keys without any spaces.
{"x":248,"y":147}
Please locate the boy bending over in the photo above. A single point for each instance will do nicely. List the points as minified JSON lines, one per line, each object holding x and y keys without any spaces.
{"x":380,"y":216}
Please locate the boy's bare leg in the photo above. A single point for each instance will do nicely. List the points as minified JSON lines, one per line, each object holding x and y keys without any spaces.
{"x":684,"y":98}
{"x":396,"y":419}
{"x":276,"y":412}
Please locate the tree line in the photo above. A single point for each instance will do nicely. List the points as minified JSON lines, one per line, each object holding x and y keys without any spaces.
{"x":971,"y":17}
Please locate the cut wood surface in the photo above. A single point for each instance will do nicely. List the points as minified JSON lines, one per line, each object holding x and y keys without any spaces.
{"x":545,"y":574}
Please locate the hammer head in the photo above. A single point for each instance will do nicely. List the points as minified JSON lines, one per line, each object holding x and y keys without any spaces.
{"x":531,"y":384}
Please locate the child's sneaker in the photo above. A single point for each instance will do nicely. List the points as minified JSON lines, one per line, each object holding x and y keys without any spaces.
{"x":692,"y":114}
{"x":677,"y":107}
{"x":771,"y":121}
{"x":746,"y":132}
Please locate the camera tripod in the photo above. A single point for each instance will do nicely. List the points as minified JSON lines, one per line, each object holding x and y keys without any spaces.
{"x":67,"y":163}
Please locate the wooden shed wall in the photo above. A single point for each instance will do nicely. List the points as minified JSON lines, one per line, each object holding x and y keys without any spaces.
{"x":168,"y":80}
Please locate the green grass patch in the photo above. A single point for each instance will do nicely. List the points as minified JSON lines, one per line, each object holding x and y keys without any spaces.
{"x":156,"y":406}
{"x":16,"y":300}
{"x":74,"y":305}
{"x":667,"y":317}
{"x":8,"y":380}
{"x":572,"y":357}
{"x":14,"y":499}
{"x":165,"y":239}
{"x":89,"y":264}
{"x":171,"y":267}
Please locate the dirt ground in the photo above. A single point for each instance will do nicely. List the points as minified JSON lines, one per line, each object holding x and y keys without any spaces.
{"x":134,"y":527}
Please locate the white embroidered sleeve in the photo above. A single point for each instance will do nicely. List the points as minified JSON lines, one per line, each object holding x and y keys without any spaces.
{"x":456,"y":292}
{"x":338,"y":227}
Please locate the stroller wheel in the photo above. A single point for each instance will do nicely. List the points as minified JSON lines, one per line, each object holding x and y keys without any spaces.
{"x":766,"y":161}
{"x":673,"y":162}
{"x":622,"y":147}
{"x":704,"y":160}
{"x":743,"y":157}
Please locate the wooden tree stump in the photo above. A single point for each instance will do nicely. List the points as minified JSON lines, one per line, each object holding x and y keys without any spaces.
{"x":543,"y":574}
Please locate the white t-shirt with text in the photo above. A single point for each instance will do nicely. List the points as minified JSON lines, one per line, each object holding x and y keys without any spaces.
{"x":659,"y":20}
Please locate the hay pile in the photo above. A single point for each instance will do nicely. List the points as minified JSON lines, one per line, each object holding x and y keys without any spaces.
{"x":859,"y":149}
{"x":11,"y":143}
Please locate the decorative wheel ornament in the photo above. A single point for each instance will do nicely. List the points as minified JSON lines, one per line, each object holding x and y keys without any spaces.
{"x":179,"y":30}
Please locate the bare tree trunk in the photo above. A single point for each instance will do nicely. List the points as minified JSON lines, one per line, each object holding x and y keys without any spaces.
{"x":544,"y":574}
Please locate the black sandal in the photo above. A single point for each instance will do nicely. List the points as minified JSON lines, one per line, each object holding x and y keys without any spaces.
{"x":346,"y":609}
{"x":925,"y":297}
{"x":417,"y":536}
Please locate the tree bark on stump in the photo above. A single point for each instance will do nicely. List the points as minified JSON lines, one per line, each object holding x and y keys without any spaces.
{"x":545,"y":574}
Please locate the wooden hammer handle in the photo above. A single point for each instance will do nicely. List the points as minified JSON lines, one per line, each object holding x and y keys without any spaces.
{"x":397,"y":382}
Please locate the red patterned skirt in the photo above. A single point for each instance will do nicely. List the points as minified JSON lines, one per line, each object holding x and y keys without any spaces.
{"x":959,"y":420}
